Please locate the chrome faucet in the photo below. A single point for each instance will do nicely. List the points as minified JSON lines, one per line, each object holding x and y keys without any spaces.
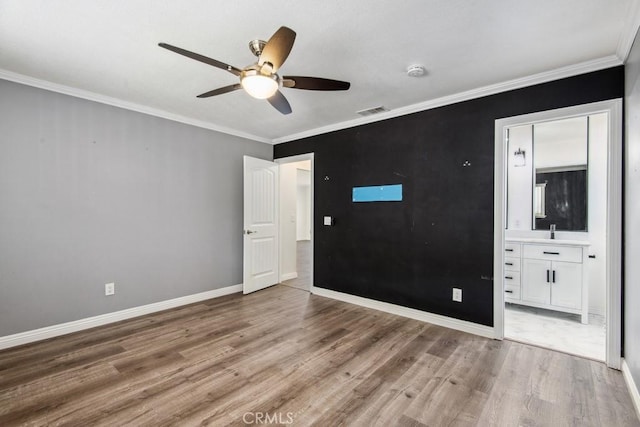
{"x":552,"y":229}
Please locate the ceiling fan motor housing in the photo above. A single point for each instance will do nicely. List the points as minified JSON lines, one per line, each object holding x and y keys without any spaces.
{"x":256,"y":47}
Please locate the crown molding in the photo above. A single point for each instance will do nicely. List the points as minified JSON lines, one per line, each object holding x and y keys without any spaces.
{"x":559,"y":73}
{"x":631,"y":25}
{"x":115,"y":102}
{"x":569,"y":71}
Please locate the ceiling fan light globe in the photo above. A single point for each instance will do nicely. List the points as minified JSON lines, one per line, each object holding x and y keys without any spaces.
{"x":260,"y":86}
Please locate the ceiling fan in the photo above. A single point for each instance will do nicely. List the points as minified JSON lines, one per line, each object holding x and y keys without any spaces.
{"x":260,"y":79}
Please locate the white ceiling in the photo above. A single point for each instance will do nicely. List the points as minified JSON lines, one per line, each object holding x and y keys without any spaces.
{"x":107,"y":50}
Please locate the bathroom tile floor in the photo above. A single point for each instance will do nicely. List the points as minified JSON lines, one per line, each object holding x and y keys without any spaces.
{"x":556,"y":330}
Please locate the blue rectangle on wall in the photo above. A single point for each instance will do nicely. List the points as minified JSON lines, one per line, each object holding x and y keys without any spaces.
{"x":378,"y":193}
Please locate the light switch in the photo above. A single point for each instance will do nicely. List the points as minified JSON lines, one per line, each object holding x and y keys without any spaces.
{"x":327,"y":220}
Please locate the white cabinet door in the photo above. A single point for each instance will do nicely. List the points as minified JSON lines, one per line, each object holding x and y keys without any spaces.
{"x":566,"y":284}
{"x":536,"y":281}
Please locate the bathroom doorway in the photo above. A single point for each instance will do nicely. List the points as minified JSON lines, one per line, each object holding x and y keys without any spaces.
{"x":558,"y":241}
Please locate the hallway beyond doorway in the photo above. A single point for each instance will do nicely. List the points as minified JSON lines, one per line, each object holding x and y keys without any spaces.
{"x":303,"y":252}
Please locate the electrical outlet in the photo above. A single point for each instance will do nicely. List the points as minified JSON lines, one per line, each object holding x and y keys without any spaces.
{"x":457,"y":294}
{"x":110,"y":289}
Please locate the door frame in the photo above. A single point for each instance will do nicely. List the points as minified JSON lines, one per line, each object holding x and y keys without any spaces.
{"x":293,"y":159}
{"x":614,"y":215}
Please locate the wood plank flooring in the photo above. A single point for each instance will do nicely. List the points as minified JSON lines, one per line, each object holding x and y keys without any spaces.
{"x":283,"y":356}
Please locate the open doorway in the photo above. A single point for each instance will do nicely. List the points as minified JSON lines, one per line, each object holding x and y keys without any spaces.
{"x":557,"y":230}
{"x":556,"y":227}
{"x":296,"y":222}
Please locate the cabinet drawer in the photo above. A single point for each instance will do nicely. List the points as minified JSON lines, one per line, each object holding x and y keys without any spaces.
{"x":511,"y":264}
{"x":553,"y":253}
{"x":512,"y":249}
{"x":511,"y":291}
{"x":512,"y":278}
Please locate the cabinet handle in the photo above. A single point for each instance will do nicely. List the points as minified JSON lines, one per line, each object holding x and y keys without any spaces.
{"x":508,"y":263}
{"x":553,"y":277}
{"x":509,"y":292}
{"x":547,"y":276}
{"x":551,"y":253}
{"x":508,"y":277}
{"x":508,"y":250}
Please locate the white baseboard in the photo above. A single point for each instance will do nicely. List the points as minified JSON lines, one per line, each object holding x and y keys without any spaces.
{"x":436,"y":319}
{"x":631,"y":385}
{"x":288,"y":276}
{"x":103,"y":319}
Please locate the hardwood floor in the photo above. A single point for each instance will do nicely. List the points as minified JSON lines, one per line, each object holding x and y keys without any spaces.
{"x":284,"y":356}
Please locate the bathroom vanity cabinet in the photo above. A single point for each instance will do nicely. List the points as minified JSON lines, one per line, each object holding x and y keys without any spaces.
{"x":547,"y":274}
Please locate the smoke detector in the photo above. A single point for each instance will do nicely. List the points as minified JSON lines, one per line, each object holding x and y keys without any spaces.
{"x":416,"y":71}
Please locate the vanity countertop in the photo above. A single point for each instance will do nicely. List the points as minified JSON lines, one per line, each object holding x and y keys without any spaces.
{"x":548,"y":241}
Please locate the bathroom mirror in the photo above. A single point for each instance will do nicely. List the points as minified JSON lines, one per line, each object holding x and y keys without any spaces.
{"x":560,"y":160}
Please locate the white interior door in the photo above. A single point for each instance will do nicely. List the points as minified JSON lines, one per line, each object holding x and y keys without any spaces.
{"x":260,"y":266}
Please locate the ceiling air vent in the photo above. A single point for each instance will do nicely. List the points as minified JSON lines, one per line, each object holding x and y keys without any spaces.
{"x":374,"y":110}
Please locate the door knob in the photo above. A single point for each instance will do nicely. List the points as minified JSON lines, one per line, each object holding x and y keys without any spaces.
{"x":249,"y":232}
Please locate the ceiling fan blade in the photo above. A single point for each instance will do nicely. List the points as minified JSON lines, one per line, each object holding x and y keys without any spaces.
{"x":202,"y":58}
{"x":277,"y":48}
{"x":280,"y":103}
{"x":220,"y":91}
{"x":314,"y":83}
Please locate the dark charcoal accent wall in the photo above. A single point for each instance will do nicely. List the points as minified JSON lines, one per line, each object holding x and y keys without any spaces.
{"x":413,"y":252}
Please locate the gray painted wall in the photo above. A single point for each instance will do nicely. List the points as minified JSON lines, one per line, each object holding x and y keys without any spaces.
{"x":91,"y":194}
{"x":632,"y":212}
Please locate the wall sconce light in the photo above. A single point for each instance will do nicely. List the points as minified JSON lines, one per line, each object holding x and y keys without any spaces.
{"x":519,"y":158}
